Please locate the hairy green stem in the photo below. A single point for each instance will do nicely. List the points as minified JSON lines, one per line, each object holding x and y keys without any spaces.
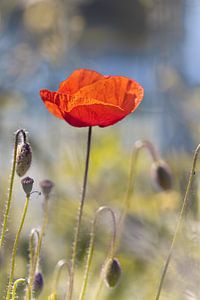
{"x":131,"y":179}
{"x":80,"y":213}
{"x":14,"y":251}
{"x":58,"y":269}
{"x":179,"y":223}
{"x":10,"y":192}
{"x":33,"y":245}
{"x":15,"y":285}
{"x":35,"y":261}
{"x":98,"y":290}
{"x":91,"y":246}
{"x":140,"y":144}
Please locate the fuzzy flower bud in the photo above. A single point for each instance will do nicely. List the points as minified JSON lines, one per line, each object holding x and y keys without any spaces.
{"x":24,"y":158}
{"x":38,"y":284}
{"x":27,"y":184}
{"x":46,"y":187}
{"x":112,"y":272}
{"x":161,"y":175}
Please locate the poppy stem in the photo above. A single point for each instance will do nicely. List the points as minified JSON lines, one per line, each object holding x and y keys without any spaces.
{"x":8,"y":203}
{"x":91,"y":246}
{"x":140,"y":144}
{"x":35,"y":261}
{"x":80,"y":213}
{"x":14,"y":251}
{"x":57,"y":273}
{"x":15,"y":285}
{"x":33,"y":245}
{"x":179,"y":223}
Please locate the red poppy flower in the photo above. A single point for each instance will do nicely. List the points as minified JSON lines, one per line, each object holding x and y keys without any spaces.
{"x":88,"y":98}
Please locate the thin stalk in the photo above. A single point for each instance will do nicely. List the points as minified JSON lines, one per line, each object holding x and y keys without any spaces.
{"x":15,"y":285}
{"x":140,"y":144}
{"x":12,"y":269}
{"x":58,"y":270}
{"x":33,"y":245}
{"x":98,"y":290}
{"x":91,"y":246}
{"x":10,"y":192}
{"x":179,"y":223}
{"x":34,"y":239}
{"x":80,"y":213}
{"x":39,"y":245}
{"x":131,"y":179}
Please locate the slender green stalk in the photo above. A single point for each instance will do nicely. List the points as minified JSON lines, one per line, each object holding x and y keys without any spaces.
{"x":80,"y":213}
{"x":12,"y":269}
{"x":131,"y":179}
{"x":34,"y":239}
{"x":58,"y":270}
{"x":33,"y":245}
{"x":35,"y":261}
{"x":98,"y":290}
{"x":140,"y":144}
{"x":179,"y":223}
{"x":91,"y":246}
{"x":8,"y":202}
{"x":15,"y":285}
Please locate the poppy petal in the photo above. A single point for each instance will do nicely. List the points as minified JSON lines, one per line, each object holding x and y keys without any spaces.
{"x":78,"y":79}
{"x":116,"y":90}
{"x":88,"y":98}
{"x":100,"y":114}
{"x":52,"y":102}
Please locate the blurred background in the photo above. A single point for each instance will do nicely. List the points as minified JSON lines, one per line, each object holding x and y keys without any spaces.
{"x":156,"y":42}
{"x":153,"y":41}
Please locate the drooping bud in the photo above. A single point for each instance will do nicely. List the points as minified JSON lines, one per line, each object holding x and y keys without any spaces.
{"x":27,"y":184}
{"x":46,"y":187}
{"x":38,"y":284}
{"x":161,"y":175}
{"x":23,"y":159}
{"x":112,"y":272}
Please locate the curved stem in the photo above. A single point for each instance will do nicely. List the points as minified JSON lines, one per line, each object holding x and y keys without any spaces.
{"x":80,"y":213}
{"x":131,"y":179}
{"x":15,"y":285}
{"x":140,"y":144}
{"x":146,"y":144}
{"x":8,"y":203}
{"x":59,"y":267}
{"x":39,"y":244}
{"x":33,"y":245}
{"x":91,"y":246}
{"x":179,"y":223}
{"x":15,"y":247}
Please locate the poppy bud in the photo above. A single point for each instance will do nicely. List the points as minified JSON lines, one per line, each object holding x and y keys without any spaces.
{"x":23,"y":160}
{"x":27,"y":184}
{"x":53,"y":296}
{"x":161,"y":175}
{"x":112,"y":272}
{"x":38,"y":284}
{"x":46,"y":187}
